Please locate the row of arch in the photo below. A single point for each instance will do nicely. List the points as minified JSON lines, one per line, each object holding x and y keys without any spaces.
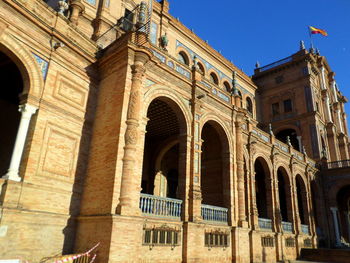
{"x":164,"y":163}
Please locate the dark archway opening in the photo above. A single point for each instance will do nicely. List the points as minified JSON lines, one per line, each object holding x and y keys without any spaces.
{"x":343,"y":202}
{"x":263,"y":189}
{"x":302,"y":200}
{"x":12,"y":83}
{"x":214,"y":166}
{"x":161,"y":173}
{"x":282,"y":136}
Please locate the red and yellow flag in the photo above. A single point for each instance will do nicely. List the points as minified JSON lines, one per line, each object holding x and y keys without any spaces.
{"x":315,"y":30}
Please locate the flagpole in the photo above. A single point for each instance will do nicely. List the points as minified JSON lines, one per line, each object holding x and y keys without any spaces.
{"x":311,"y":41}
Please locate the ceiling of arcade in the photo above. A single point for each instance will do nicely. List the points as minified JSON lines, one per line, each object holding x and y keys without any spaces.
{"x":163,"y":121}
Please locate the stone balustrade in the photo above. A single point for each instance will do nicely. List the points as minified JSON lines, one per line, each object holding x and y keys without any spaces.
{"x":287,"y":226}
{"x":265,"y":223}
{"x":160,"y":206}
{"x":305,"y":229}
{"x":214,"y":213}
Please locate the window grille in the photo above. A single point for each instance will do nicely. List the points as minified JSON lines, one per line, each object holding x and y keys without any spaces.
{"x":290,"y":242}
{"x":161,"y":237}
{"x":217,"y":239}
{"x":307,"y":242}
{"x":267,"y":242}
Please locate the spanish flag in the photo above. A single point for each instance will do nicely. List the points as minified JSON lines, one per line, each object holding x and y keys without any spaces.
{"x":314,"y":30}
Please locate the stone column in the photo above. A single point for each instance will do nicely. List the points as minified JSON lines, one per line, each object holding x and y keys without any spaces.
{"x":130,"y":182}
{"x":336,"y":225}
{"x":77,"y":9}
{"x":347,"y":218}
{"x":242,"y":219}
{"x":27,"y":112}
{"x":299,"y":143}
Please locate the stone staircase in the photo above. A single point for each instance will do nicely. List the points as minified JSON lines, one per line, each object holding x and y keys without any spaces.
{"x":325,"y":255}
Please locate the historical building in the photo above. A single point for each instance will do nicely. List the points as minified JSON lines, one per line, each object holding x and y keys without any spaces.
{"x":122,"y":127}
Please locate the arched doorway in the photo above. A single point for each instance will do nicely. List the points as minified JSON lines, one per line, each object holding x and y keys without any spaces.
{"x":285,"y":200}
{"x":263,"y":189}
{"x":302,"y":204}
{"x":12,"y":83}
{"x":292,"y":134}
{"x":343,"y":203}
{"x":215,"y":166}
{"x":163,"y":173}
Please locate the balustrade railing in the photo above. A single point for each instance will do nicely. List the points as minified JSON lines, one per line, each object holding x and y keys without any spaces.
{"x":160,"y":206}
{"x":265,"y":223}
{"x":287,"y":226}
{"x":338,"y":164}
{"x":305,"y":229}
{"x":214,"y":213}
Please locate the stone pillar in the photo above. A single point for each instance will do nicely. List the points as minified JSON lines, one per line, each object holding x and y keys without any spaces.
{"x":299,"y":143}
{"x":347,"y":218}
{"x":77,"y":9}
{"x":336,"y":225}
{"x":242,"y":219}
{"x":327,"y":109}
{"x":27,"y":112}
{"x":323,"y":81}
{"x":130,"y":182}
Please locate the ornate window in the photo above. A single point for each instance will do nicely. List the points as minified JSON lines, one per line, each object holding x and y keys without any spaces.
{"x":183,"y":58}
{"x":216,"y":239}
{"x":214,"y":78}
{"x":161,"y":237}
{"x":249,"y":105}
{"x":227,"y":86}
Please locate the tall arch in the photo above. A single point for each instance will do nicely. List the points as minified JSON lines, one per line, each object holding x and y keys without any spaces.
{"x":285,"y":195}
{"x":264,"y":201}
{"x":33,"y":81}
{"x":302,"y":202}
{"x":164,"y":170}
{"x":215,"y":165}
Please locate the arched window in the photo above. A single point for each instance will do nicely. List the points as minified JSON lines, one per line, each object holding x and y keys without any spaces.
{"x":249,"y":105}
{"x":183,"y":58}
{"x":201,"y":68}
{"x":227,"y":86}
{"x":214,"y":78}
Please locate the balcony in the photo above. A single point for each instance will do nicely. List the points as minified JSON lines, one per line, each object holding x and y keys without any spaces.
{"x":287,"y":227}
{"x":336,"y":164}
{"x":265,"y":223}
{"x":214,"y":213}
{"x":160,"y":206}
{"x":305,"y":229}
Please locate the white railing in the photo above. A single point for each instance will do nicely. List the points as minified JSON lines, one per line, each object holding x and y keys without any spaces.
{"x":305,"y":229}
{"x":287,"y":226}
{"x":214,"y":213}
{"x":160,"y":206}
{"x":265,"y":223}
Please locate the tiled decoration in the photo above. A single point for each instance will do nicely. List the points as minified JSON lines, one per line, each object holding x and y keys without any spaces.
{"x":43,"y":64}
{"x":210,"y":66}
{"x":153,"y":33}
{"x":91,"y":2}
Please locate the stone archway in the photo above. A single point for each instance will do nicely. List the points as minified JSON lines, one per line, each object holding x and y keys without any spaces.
{"x":343,"y":204}
{"x":285,"y":195}
{"x":163,"y":172}
{"x":264,"y":201}
{"x":301,"y":192}
{"x":215,"y":165}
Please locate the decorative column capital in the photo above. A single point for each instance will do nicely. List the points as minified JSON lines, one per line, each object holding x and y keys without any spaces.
{"x":27,"y":110}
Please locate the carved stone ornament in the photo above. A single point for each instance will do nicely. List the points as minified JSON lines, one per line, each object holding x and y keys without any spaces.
{"x":131,"y":135}
{"x":164,"y":41}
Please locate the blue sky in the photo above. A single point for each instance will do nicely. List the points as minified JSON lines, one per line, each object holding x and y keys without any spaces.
{"x":268,"y":30}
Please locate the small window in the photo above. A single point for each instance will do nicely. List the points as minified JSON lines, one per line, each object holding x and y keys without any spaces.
{"x":279,"y":79}
{"x":128,"y":20}
{"x":275,"y":109}
{"x":305,"y":71}
{"x":227,"y":86}
{"x":214,"y":78}
{"x":201,"y":68}
{"x":249,"y":105}
{"x":287,"y":104}
{"x":182,"y":57}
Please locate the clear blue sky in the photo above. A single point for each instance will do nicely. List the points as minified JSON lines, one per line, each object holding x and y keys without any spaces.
{"x":268,"y":30}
